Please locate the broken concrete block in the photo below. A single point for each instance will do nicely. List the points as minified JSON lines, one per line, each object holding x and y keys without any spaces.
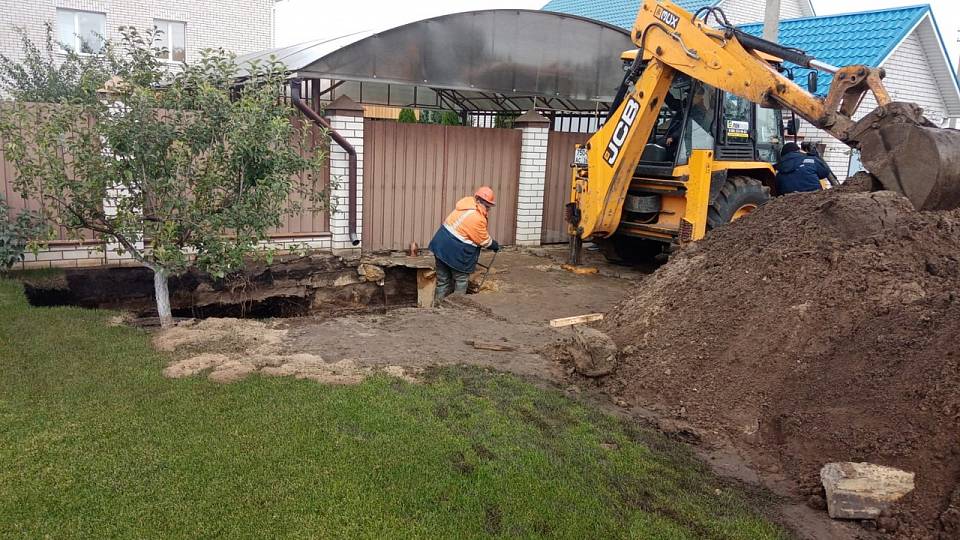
{"x":862,"y":490}
{"x":592,"y":353}
{"x":371,"y":273}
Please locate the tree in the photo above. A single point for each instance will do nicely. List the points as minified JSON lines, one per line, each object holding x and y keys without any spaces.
{"x":51,"y":74}
{"x":407,"y":116}
{"x":180,"y":169}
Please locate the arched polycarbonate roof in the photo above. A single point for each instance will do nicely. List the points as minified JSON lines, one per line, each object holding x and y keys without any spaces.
{"x":506,"y":52}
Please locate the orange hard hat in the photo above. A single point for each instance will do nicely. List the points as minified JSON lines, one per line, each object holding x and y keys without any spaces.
{"x":485,"y":193}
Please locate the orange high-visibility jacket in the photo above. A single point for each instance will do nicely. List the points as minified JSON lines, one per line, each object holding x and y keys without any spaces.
{"x":468,"y":223}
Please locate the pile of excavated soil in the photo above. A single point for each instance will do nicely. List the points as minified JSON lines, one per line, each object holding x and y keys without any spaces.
{"x":822,"y":327}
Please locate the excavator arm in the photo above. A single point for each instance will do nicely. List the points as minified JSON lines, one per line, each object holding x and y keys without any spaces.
{"x":672,"y":41}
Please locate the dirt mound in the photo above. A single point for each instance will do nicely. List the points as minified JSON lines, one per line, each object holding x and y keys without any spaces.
{"x":823,"y":327}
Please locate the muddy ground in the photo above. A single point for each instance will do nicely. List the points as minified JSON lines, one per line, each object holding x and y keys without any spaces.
{"x":521,"y":294}
{"x":526,"y":291}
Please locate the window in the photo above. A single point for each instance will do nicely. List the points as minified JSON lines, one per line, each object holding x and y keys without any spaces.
{"x":81,"y":31}
{"x":769,"y":133}
{"x":173,"y":39}
{"x":737,"y":117}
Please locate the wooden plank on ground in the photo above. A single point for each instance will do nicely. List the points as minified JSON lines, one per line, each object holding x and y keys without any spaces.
{"x":487,"y":346}
{"x":579,"y":319}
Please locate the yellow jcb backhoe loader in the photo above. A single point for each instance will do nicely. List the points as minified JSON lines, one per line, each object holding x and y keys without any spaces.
{"x":691,"y":138}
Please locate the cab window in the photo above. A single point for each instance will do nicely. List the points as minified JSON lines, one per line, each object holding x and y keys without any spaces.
{"x":699,"y":130}
{"x":737,"y":115}
{"x":769,"y":133}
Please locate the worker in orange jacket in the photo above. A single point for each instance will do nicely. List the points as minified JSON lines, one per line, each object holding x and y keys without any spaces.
{"x":457,"y":243}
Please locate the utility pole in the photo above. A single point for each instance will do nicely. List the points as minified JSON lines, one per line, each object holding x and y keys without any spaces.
{"x":771,"y":20}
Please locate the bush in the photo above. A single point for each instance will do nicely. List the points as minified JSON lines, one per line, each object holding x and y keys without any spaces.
{"x":449,"y":118}
{"x":17,"y":235}
{"x":445,"y":118}
{"x":407,"y":116}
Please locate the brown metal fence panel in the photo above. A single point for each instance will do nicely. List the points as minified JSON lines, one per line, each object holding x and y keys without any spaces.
{"x":306,"y":223}
{"x":556,"y":192}
{"x":402,"y":183}
{"x":485,"y":156}
{"x":16,"y":203}
{"x":415,"y":173}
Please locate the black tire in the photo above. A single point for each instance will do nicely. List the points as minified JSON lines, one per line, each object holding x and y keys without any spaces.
{"x":630,"y":250}
{"x":738,"y":195}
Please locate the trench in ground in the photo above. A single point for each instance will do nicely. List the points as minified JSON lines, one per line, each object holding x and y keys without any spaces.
{"x":292,"y":288}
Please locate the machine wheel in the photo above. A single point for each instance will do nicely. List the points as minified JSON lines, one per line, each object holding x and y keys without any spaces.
{"x":630,"y":250}
{"x":739,"y":196}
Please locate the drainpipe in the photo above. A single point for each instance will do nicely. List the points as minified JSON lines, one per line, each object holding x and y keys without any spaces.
{"x":347,"y":147}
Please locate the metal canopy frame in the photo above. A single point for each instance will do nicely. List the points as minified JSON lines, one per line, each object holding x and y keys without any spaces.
{"x":492,"y":61}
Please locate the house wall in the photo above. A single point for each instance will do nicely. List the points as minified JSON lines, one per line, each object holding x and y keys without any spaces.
{"x":909,"y":78}
{"x":751,"y":11}
{"x":241,"y":26}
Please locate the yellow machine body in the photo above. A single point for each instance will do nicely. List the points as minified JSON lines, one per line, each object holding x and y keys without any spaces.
{"x":672,"y":42}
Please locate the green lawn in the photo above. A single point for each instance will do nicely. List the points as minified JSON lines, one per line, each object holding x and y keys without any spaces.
{"x":94,"y":442}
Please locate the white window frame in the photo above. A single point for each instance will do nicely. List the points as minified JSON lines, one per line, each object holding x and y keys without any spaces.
{"x":164,"y":26}
{"x":75,"y":35}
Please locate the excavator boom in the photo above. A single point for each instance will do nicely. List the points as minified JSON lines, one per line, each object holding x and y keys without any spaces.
{"x":924,"y":166}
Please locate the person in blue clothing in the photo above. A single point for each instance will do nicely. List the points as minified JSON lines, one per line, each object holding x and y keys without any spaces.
{"x":810,"y":148}
{"x":797,"y":171}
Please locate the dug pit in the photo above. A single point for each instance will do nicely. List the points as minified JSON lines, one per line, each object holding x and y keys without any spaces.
{"x":290,"y":287}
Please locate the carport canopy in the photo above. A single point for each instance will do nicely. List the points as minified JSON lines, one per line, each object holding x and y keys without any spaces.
{"x":493,"y":60}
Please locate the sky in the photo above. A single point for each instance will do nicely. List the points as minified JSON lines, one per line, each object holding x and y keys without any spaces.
{"x":303,"y":20}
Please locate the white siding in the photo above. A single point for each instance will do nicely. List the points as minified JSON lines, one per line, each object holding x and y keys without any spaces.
{"x":241,"y":26}
{"x":751,"y":11}
{"x":908,"y":79}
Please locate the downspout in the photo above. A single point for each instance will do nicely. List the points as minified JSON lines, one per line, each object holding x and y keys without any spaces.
{"x":351,"y":153}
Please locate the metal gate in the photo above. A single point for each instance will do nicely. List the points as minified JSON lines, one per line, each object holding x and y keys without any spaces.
{"x":413,"y":175}
{"x":556,"y":192}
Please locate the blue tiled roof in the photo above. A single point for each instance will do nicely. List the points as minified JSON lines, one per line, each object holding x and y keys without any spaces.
{"x":620,"y":13}
{"x":693,"y":5}
{"x":852,"y":38}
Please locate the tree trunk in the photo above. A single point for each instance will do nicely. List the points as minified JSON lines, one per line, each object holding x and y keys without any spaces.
{"x":162,"y":293}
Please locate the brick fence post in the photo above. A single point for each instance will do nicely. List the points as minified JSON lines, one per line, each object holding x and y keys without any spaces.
{"x":346,"y":117}
{"x":535,"y":130}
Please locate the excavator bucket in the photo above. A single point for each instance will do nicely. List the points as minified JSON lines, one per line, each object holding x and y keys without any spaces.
{"x":909,"y":154}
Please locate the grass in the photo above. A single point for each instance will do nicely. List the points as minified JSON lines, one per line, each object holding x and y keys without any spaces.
{"x":96,"y":443}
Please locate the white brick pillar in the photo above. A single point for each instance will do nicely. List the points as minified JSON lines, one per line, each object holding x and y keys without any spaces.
{"x":116,"y":194}
{"x":346,"y":118}
{"x":533,"y":174}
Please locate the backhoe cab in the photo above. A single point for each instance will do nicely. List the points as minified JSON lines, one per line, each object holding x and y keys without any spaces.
{"x":742,"y":141}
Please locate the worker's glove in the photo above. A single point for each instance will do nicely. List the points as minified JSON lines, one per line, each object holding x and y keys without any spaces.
{"x":494,"y":247}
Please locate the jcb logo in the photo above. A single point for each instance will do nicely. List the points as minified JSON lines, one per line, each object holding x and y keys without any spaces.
{"x":620,"y":132}
{"x":670,"y":19}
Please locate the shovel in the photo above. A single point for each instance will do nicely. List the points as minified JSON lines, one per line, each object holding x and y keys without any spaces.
{"x":486,"y":268}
